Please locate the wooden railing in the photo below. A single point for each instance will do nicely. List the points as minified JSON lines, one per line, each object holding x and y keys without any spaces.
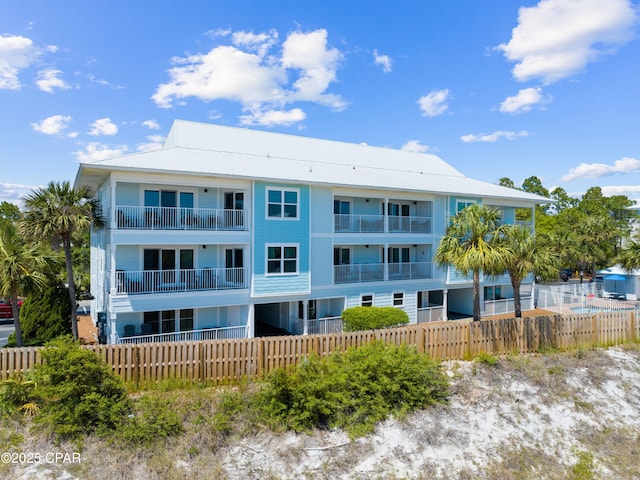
{"x":220,"y":361}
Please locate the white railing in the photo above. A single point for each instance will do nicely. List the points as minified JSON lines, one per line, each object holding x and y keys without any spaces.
{"x":223,"y":333}
{"x":505,"y":305}
{"x":358,"y":223}
{"x":172,"y":218}
{"x":375,"y":224}
{"x":163,"y":281}
{"x":375,"y":272}
{"x":356,"y":273}
{"x":410,"y":270}
{"x":430,"y":314}
{"x":324,"y":325}
{"x":566,"y":300}
{"x":410,"y":224}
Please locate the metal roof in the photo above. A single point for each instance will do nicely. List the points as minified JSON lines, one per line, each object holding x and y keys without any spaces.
{"x":218,"y":151}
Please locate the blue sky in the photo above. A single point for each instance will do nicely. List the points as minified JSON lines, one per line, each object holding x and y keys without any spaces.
{"x":496,"y":88}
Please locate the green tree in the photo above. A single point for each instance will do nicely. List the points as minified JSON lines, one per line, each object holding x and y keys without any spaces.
{"x":525,"y":257}
{"x":629,"y":256}
{"x":23,"y":270}
{"x":46,"y":316}
{"x":507,"y":182}
{"x":471,"y":244}
{"x":60,"y":214}
{"x":9,"y":211}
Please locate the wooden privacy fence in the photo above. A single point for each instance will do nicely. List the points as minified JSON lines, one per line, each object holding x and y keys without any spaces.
{"x":221,"y":361}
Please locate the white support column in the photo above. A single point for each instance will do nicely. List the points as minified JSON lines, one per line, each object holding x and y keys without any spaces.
{"x":251,"y":321}
{"x":445,"y":304}
{"x":305,"y":317}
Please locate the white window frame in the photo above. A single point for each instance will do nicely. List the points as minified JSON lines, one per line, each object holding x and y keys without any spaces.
{"x":393,"y":299}
{"x":282,"y":259}
{"x":362,"y":302}
{"x":466,"y":203}
{"x":282,"y":204}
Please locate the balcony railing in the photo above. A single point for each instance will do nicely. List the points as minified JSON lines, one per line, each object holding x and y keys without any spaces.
{"x":410,"y":224}
{"x":375,"y":272}
{"x":357,"y":273}
{"x":410,"y":270}
{"x":223,"y":333}
{"x":325,"y":325}
{"x":163,"y":281}
{"x":359,"y":223}
{"x":172,"y":218}
{"x":375,"y":224}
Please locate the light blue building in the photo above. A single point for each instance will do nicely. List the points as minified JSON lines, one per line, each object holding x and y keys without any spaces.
{"x":227,"y":232}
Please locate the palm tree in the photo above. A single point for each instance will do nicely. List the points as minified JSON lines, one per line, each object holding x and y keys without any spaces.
{"x":58,"y":214}
{"x":525,"y":257}
{"x":470,"y":244}
{"x":629,"y":256}
{"x":24,"y":269}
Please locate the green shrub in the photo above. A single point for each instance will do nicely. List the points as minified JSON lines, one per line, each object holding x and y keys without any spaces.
{"x":44,"y":317}
{"x":372,"y":318}
{"x":153,"y":420}
{"x":486,"y":358}
{"x":352,"y":390}
{"x":79,"y":393}
{"x":18,"y":394}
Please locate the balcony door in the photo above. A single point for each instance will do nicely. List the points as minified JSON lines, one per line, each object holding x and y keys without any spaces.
{"x":168,"y":263}
{"x":398,"y":216}
{"x":399,"y":262}
{"x":233,"y":209}
{"x":234,"y":263}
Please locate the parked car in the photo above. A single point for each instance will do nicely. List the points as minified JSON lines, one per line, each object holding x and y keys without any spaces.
{"x":5,"y":309}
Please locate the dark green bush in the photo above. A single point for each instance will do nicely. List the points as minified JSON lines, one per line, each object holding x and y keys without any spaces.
{"x":45,"y":316}
{"x":352,"y":390}
{"x":372,"y":318}
{"x":78,"y":392}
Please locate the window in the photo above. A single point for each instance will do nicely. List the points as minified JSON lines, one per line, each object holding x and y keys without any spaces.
{"x":186,"y":319}
{"x":282,"y":203}
{"x":398,"y":299}
{"x":366,"y":300}
{"x":282,"y":259}
{"x":462,"y":204}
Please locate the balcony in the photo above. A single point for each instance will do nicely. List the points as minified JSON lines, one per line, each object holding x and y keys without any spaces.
{"x":187,"y":336}
{"x":376,"y":224}
{"x":172,"y":218}
{"x":359,"y":223}
{"x":192,"y":280}
{"x":375,"y":272}
{"x":410,"y":224}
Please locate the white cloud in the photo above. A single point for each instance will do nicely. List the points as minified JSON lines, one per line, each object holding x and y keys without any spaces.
{"x":151,"y":124}
{"x":246,"y":73}
{"x":523,"y":101}
{"x":415,"y":146}
{"x":16,"y":54}
{"x":318,"y":65}
{"x":260,"y":43}
{"x":53,"y":125}
{"x":273,"y":117}
{"x":434,"y":103}
{"x":95,"y":151}
{"x":492,"y":137}
{"x":154,"y":142}
{"x":628,"y":190}
{"x":15,"y":192}
{"x":557,"y":38}
{"x":103,"y":126}
{"x":48,"y":80}
{"x":597,"y":170}
{"x":383,"y":60}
